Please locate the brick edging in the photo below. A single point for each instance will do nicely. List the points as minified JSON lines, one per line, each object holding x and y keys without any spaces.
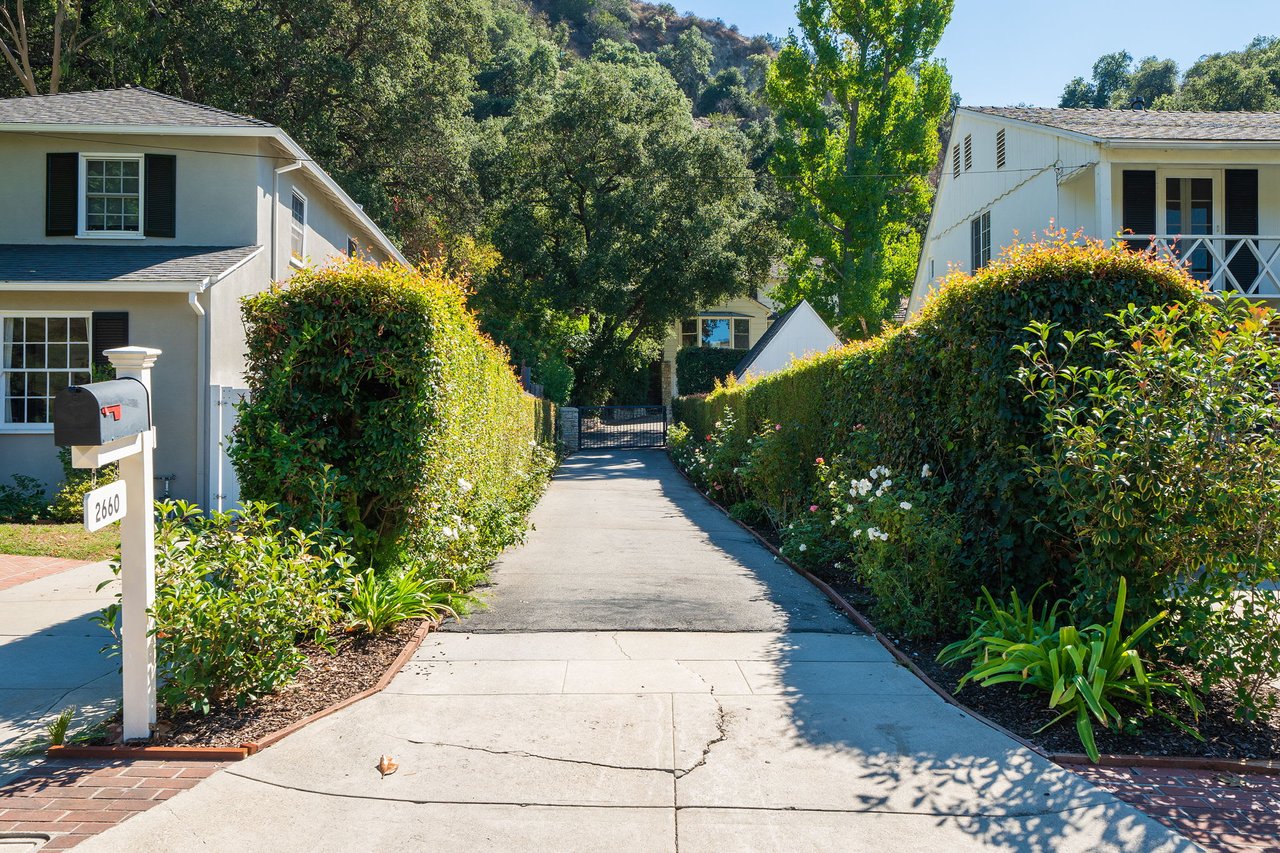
{"x":1170,"y":762}
{"x":215,"y":753}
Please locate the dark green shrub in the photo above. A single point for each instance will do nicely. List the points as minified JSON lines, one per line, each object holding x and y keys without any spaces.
{"x":698,"y":369}
{"x":68,"y":503}
{"x":943,"y":391}
{"x":22,"y":501}
{"x":377,"y":380}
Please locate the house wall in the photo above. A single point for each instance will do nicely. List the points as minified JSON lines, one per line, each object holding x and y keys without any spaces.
{"x":1024,"y":196}
{"x":161,"y":320}
{"x":213,"y":207}
{"x":743,"y":306}
{"x":803,"y":335}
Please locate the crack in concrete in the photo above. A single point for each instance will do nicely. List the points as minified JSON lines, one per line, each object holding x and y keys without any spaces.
{"x":618,"y":643}
{"x":520,"y":753}
{"x":722,"y":734}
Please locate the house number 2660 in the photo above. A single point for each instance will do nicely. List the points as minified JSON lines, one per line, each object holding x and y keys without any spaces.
{"x":104,"y":505}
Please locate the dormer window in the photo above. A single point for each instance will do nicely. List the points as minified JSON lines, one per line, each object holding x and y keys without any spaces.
{"x":112,"y":196}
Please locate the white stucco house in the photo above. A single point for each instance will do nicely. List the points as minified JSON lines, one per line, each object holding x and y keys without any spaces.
{"x":1203,"y":186}
{"x":131,"y":217}
{"x":797,"y":333}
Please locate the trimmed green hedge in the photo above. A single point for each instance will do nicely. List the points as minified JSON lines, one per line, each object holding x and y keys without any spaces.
{"x":940,"y":391}
{"x":698,"y":369}
{"x":377,"y":408}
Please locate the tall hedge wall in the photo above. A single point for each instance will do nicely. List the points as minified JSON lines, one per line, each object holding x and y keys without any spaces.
{"x":699,"y":368}
{"x":378,"y":408}
{"x":942,"y":391}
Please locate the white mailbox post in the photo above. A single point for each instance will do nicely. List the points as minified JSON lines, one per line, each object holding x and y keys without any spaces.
{"x":117,"y":416}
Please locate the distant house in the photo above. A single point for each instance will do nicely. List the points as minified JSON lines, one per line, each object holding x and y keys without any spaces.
{"x":798,"y":333}
{"x":132,"y":217}
{"x":1205,"y":187}
{"x":735,"y":324}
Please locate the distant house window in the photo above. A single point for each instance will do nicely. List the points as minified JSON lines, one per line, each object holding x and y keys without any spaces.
{"x":352,"y":248}
{"x":717,"y":334}
{"x":689,"y":333}
{"x":298,"y":227}
{"x":968,"y":152}
{"x":955,"y":161}
{"x":981,"y":228}
{"x":1000,"y":149}
{"x":41,"y":356}
{"x":742,"y":334}
{"x":112,"y":196}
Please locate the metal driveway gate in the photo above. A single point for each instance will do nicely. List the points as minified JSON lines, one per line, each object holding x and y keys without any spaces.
{"x":621,"y":427}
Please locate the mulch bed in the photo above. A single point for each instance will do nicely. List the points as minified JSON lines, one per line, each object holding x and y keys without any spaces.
{"x":1022,"y":712}
{"x":328,"y":679}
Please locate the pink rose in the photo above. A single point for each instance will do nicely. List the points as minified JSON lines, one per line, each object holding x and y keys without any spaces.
{"x":777,"y":427}
{"x":819,"y":461}
{"x":813,"y":507}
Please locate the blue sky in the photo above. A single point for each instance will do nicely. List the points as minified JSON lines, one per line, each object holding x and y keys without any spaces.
{"x":1004,"y":52}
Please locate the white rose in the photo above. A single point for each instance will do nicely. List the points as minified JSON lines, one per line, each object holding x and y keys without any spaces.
{"x":905,"y":505}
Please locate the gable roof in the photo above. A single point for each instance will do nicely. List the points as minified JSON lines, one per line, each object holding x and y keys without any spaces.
{"x":744,"y":364}
{"x":126,"y":107}
{"x":184,"y":268}
{"x":1168,"y":125}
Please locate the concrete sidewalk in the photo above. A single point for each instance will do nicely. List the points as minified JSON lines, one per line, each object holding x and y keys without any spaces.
{"x":647,"y":679}
{"x":50,"y":658}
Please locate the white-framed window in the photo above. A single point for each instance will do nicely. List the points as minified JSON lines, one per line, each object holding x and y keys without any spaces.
{"x":689,"y":333}
{"x":297,"y":227}
{"x":111,"y":195}
{"x":40,"y":354}
{"x":980,"y":230}
{"x":716,"y":332}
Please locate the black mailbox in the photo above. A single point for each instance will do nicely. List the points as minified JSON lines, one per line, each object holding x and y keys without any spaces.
{"x":100,"y":413}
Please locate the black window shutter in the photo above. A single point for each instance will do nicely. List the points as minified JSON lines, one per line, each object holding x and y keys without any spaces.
{"x":1138,"y":207}
{"x":110,"y":330}
{"x":1240,"y":192}
{"x":61,"y":195}
{"x":161,"y":188}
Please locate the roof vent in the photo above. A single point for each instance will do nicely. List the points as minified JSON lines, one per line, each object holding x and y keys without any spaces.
{"x":1138,"y":103}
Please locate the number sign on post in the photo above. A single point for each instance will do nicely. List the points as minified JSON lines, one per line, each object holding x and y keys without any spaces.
{"x":104,"y":505}
{"x":106,"y":422}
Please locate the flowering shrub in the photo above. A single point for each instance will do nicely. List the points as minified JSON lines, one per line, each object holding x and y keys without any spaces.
{"x":942,"y":390}
{"x":377,"y":380}
{"x":903,"y":541}
{"x":1165,"y":467}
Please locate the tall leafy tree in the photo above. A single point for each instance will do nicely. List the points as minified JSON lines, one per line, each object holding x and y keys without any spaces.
{"x":858,"y":104}
{"x":689,"y":61}
{"x":1110,"y":75}
{"x":615,"y":215}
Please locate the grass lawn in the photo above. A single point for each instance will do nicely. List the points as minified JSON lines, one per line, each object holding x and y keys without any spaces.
{"x":50,"y":539}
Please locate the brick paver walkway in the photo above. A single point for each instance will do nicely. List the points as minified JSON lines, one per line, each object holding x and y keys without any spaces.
{"x":15,"y":570}
{"x":1218,"y":811}
{"x":72,"y":800}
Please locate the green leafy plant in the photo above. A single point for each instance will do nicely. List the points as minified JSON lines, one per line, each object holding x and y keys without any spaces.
{"x":68,"y":503}
{"x":374,"y":603}
{"x":1085,"y":671}
{"x":22,"y":501}
{"x":235,"y":595}
{"x":700,"y":369}
{"x":1016,"y":623}
{"x":57,"y":728}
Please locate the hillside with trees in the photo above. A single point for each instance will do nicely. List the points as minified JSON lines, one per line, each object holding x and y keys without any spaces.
{"x":1246,"y":79}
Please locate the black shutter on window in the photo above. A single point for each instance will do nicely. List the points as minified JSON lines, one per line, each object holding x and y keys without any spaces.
{"x":61,"y":194}
{"x":110,"y":330}
{"x":161,"y":188}
{"x":1138,"y":207}
{"x":1240,"y":194}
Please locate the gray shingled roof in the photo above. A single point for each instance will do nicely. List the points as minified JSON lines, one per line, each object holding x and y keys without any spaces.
{"x":118,"y":263}
{"x":130,"y":106}
{"x":1150,"y":124}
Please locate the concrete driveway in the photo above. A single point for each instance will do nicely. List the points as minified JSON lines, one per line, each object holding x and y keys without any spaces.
{"x":646,"y":679}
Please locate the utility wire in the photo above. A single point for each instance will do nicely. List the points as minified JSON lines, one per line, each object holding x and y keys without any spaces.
{"x":747,"y":177}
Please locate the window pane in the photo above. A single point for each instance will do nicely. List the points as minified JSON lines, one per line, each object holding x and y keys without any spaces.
{"x":78,"y":329}
{"x":299,"y":210}
{"x":37,"y":410}
{"x":715,"y":333}
{"x":742,"y":334}
{"x":57,"y":328}
{"x":58,"y":356}
{"x":79,"y":357}
{"x":34,"y":356}
{"x":37,"y":384}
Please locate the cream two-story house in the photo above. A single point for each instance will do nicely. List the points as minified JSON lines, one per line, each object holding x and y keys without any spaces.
{"x":1201,"y":187}
{"x":131,"y":217}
